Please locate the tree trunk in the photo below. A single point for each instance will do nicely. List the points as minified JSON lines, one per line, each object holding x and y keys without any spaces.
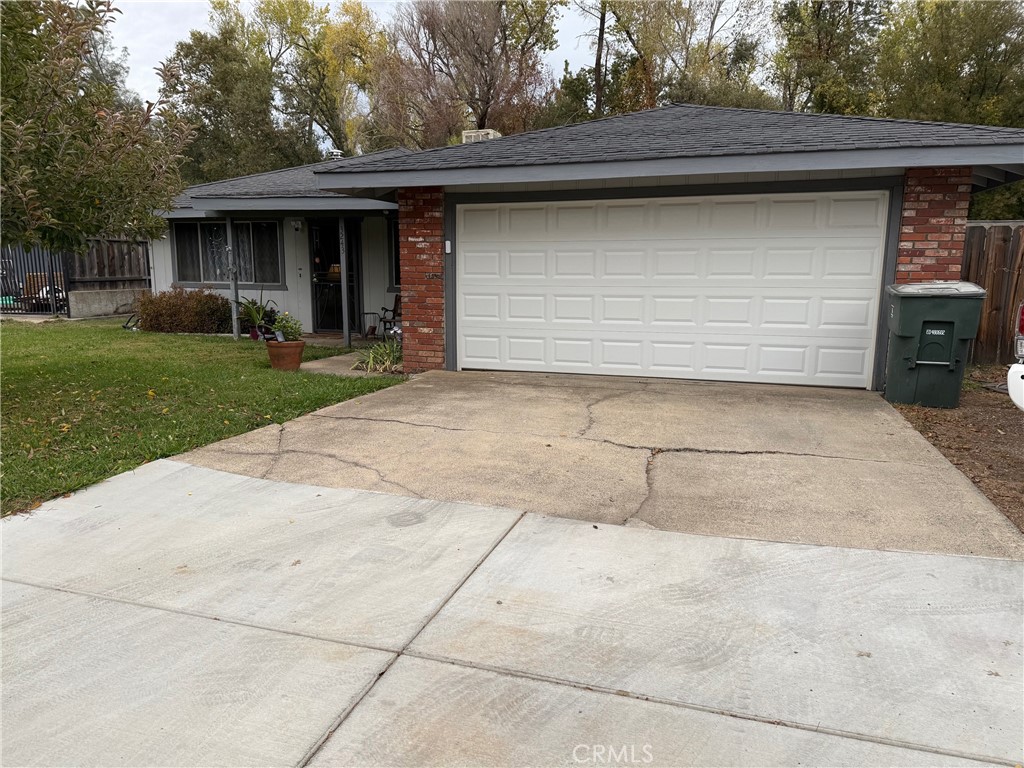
{"x":599,"y":62}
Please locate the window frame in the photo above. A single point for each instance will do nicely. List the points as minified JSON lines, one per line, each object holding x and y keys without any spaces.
{"x":281,"y":285}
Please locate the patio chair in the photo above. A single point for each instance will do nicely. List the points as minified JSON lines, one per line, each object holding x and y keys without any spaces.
{"x":36,"y":294}
{"x":391,"y":318}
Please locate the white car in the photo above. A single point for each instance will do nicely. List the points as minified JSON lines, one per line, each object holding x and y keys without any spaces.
{"x":1015,"y":376}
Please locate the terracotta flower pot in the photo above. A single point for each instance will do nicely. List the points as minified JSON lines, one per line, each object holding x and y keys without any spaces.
{"x":285,"y":355}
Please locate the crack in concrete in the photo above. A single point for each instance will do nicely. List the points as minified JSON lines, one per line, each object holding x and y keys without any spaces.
{"x":591,"y":418}
{"x":277,"y":452}
{"x":406,"y":423}
{"x":729,"y":452}
{"x":629,"y":446}
{"x":350,"y":462}
{"x":648,"y":468}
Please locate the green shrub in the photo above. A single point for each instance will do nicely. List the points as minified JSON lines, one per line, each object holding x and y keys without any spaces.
{"x":385,"y":357}
{"x":289,"y":327}
{"x":181,"y":311}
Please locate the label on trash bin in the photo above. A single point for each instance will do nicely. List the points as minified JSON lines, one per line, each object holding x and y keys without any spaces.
{"x":935,"y":332}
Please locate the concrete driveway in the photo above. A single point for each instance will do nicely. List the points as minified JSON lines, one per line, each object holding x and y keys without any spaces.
{"x":178,"y":615}
{"x":796,"y":464}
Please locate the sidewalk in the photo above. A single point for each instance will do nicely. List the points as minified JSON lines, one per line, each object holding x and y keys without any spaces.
{"x":178,"y":615}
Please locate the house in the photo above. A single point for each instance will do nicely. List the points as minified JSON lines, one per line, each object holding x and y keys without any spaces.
{"x":293,"y":242}
{"x":685,"y":241}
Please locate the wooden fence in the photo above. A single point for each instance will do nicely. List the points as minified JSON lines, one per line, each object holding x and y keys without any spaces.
{"x":110,"y":264}
{"x":994,"y":259}
{"x":37,"y":281}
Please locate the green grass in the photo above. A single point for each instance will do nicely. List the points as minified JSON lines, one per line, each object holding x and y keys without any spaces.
{"x":82,"y":401}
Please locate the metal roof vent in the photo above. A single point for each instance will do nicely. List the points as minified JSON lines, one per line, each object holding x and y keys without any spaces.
{"x":483,"y":134}
{"x":335,"y":154}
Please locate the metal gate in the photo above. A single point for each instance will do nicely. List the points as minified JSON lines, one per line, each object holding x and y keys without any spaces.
{"x":34,"y":281}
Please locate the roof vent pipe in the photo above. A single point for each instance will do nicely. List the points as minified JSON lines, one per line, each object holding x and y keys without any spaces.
{"x":335,"y":154}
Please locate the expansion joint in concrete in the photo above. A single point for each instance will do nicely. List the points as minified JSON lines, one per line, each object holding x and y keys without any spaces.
{"x":523,"y":675}
{"x":405,"y":648}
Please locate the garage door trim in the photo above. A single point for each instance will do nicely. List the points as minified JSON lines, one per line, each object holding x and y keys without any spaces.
{"x":891,"y":184}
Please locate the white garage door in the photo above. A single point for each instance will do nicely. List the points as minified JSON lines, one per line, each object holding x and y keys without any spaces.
{"x":768,"y":288}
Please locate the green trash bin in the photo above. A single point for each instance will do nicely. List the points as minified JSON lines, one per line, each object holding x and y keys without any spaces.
{"x":930,"y":328}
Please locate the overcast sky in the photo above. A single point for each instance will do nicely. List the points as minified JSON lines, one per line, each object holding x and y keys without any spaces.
{"x":150,"y":28}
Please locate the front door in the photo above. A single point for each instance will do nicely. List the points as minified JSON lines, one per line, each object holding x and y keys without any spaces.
{"x":326,"y":239}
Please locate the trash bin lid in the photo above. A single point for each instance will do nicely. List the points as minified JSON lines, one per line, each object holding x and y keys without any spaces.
{"x":954,"y":289}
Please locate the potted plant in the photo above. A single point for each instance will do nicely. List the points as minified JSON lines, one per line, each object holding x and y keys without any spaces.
{"x":259,"y":316}
{"x":285,"y":344}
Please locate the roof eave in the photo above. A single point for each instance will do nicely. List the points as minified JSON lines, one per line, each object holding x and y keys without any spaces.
{"x":859,"y":159}
{"x":288,"y":204}
{"x":186,"y":213}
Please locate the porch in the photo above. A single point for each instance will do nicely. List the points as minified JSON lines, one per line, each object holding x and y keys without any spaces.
{"x":335,"y":271}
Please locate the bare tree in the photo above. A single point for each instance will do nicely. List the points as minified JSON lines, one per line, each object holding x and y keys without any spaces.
{"x":481,"y":57}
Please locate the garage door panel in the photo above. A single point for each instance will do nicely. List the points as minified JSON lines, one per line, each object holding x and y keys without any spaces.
{"x":719,"y":359}
{"x":525,"y":222}
{"x":723,"y":309}
{"x":522,"y":264}
{"x":755,"y":288}
{"x":856,"y":211}
{"x":845,"y":261}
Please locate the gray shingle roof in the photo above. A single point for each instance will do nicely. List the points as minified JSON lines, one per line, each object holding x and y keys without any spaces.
{"x":287,"y":182}
{"x":687,"y":131}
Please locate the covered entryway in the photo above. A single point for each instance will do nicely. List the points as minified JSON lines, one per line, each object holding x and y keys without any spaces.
{"x":780,"y":288}
{"x":328,"y":237}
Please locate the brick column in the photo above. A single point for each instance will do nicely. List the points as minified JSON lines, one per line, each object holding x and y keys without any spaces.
{"x":933,"y":226}
{"x":421,"y":261}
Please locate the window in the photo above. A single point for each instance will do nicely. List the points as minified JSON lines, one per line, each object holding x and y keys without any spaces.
{"x":201,"y":252}
{"x":259,"y":259}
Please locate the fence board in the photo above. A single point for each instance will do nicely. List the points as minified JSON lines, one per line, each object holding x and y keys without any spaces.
{"x":111,"y":264}
{"x":994,"y":259}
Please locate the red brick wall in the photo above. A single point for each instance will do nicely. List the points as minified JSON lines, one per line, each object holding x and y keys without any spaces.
{"x":933,"y":226}
{"x":421,"y":261}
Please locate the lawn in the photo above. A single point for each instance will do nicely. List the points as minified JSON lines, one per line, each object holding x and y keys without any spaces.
{"x":85,"y":400}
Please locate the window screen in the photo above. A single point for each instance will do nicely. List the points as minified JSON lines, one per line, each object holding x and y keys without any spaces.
{"x":213,"y":239}
{"x":186,"y":249}
{"x":265,"y":253}
{"x":201,"y":252}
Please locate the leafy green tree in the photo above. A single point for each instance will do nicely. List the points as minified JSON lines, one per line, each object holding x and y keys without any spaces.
{"x":698,"y":51}
{"x":572,"y":101}
{"x":826,"y":58}
{"x":295,"y":35}
{"x":226,"y":88}
{"x":356,"y":45}
{"x":957,"y":62}
{"x":77,"y":161}
{"x":107,"y":66}
{"x":1000,"y":204}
